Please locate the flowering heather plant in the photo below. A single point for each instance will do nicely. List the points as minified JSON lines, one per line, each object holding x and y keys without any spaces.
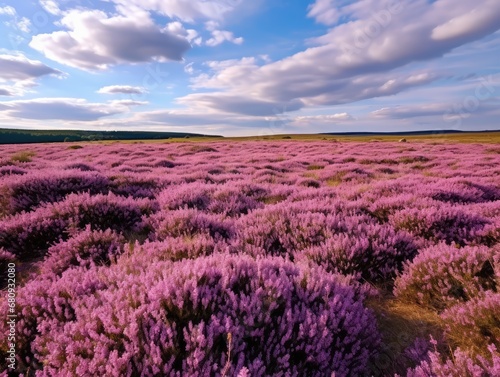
{"x":136,"y":185}
{"x":29,"y":191}
{"x":446,"y":223}
{"x":442,"y":276}
{"x":370,"y":251}
{"x":11,"y":170}
{"x":283,"y":319}
{"x":190,"y":222}
{"x":245,"y":259}
{"x":86,"y":249}
{"x":28,"y":235}
{"x":5,"y":259}
{"x":80,"y":166}
{"x":460,"y":365}
{"x":173,"y":249}
{"x":476,"y":322}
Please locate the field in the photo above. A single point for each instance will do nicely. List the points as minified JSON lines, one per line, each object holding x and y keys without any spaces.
{"x":310,"y":256}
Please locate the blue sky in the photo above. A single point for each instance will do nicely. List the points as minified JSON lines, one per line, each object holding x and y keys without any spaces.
{"x":234,"y":67}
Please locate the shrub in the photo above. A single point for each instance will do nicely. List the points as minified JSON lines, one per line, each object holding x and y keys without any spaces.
{"x":24,"y":156}
{"x":460,"y":365}
{"x":29,"y":191}
{"x":442,"y":276}
{"x":475,"y":323}
{"x":5,"y":259}
{"x":11,"y":170}
{"x":371,"y":251}
{"x":29,"y":235}
{"x":173,"y":319}
{"x":136,"y":186}
{"x":86,"y":249}
{"x":445,"y":223}
{"x":190,"y":222}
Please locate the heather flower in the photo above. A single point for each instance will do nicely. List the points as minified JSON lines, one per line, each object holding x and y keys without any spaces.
{"x":173,"y":319}
{"x":445,"y":223}
{"x":461,"y":364}
{"x":86,"y":249}
{"x":29,"y":191}
{"x":442,"y":276}
{"x":477,"y":322}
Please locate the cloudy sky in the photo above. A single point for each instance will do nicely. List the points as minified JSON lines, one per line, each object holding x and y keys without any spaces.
{"x":235,"y":67}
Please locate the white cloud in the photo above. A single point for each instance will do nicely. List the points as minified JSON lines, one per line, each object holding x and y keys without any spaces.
{"x":365,"y":58}
{"x":67,"y":109}
{"x":23,"y":23}
{"x":19,"y":74}
{"x":19,"y":67}
{"x":186,"y":10}
{"x":124,"y":89}
{"x":8,"y":10}
{"x":324,"y":11}
{"x":178,"y":29}
{"x":324,"y":118}
{"x":95,"y":41}
{"x":50,"y":6}
{"x":221,"y":36}
{"x":238,"y":104}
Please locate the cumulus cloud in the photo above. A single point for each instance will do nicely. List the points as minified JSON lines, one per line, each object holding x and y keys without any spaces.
{"x":324,"y":118}
{"x":19,"y":67}
{"x":178,"y":29}
{"x":21,"y":23}
{"x":220,"y":36}
{"x":361,"y":59}
{"x":185,"y":10}
{"x":123,"y":89}
{"x":8,"y":10}
{"x":324,"y":11}
{"x":6,"y":92}
{"x":95,"y":41}
{"x":228,"y":103}
{"x":68,"y":109}
{"x":19,"y":74}
{"x":50,"y":6}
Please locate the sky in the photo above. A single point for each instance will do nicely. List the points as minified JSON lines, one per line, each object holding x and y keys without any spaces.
{"x":235,"y":67}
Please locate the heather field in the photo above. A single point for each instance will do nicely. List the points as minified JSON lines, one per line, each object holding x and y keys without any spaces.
{"x":251,"y":258}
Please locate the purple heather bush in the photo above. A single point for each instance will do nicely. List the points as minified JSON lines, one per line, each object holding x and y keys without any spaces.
{"x":28,"y":235}
{"x":150,"y":255}
{"x":370,"y":251}
{"x":450,"y":224}
{"x":136,"y":185}
{"x":477,"y":320}
{"x":29,"y":191}
{"x":5,"y":259}
{"x":11,"y":170}
{"x":190,"y":222}
{"x":443,"y":275}
{"x":174,"y":318}
{"x":86,"y":249}
{"x":460,"y":365}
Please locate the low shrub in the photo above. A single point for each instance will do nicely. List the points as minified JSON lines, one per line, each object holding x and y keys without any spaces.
{"x":442,"y":276}
{"x":174,"y":319}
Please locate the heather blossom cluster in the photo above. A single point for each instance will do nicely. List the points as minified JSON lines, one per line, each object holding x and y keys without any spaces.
{"x":258,"y":258}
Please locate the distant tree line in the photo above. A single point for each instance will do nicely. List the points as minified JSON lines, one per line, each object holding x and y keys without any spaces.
{"x":12,"y":136}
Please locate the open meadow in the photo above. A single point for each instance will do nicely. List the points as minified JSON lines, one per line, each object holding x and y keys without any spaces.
{"x":304,"y":256}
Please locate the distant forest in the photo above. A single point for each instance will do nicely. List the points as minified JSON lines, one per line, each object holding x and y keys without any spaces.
{"x":13,"y":136}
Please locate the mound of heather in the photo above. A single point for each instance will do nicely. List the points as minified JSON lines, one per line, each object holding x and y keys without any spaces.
{"x":442,"y":276}
{"x":29,"y":191}
{"x":29,"y":235}
{"x":269,"y":316}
